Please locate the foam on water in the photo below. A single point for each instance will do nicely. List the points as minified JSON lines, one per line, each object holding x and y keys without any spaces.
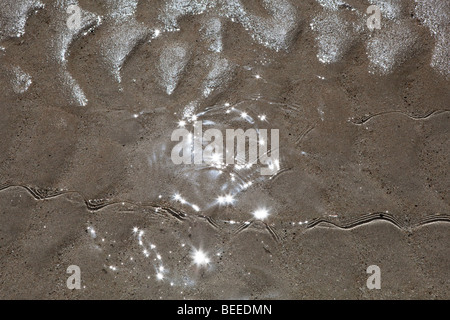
{"x":78,"y":95}
{"x":20,"y":80}
{"x":190,"y":110}
{"x":123,"y":36}
{"x":335,"y":36}
{"x":331,"y":4}
{"x":391,"y":47}
{"x":66,"y":35}
{"x":390,"y":9}
{"x":219,"y":74}
{"x":61,"y":42}
{"x":275,"y":32}
{"x":172,"y":63}
{"x":435,"y":15}
{"x":175,"y":9}
{"x":122,"y":9}
{"x":440,"y":60}
{"x":14,"y":15}
{"x":393,"y":44}
{"x":212,"y":33}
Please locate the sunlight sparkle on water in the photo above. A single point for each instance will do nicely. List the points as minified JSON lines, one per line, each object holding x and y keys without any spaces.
{"x":200,"y":258}
{"x":261,"y":214}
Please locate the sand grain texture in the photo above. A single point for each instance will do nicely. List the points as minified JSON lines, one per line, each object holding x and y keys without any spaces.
{"x":86,"y":176}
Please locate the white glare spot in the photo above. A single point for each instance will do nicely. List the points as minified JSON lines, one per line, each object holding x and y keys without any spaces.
{"x":216,"y":157}
{"x":261,"y":214}
{"x":90,"y":229}
{"x":159,"y":276}
{"x":229,"y":198}
{"x":200,"y":258}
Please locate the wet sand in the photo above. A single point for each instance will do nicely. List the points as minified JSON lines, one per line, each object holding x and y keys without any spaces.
{"x":87,"y":179}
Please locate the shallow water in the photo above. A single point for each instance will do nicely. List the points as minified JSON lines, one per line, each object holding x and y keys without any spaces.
{"x":86,"y":174}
